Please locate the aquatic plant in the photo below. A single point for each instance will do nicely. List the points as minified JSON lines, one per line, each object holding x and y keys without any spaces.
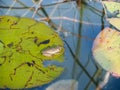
{"x":25,"y":45}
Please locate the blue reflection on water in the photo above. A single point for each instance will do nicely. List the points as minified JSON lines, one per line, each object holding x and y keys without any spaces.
{"x":92,"y":21}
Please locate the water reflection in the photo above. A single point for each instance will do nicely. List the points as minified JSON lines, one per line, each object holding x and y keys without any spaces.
{"x":77,"y":26}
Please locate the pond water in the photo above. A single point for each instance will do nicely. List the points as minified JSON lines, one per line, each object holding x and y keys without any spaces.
{"x":78,"y":28}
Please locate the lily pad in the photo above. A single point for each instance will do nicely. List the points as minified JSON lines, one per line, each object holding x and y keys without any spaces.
{"x":64,"y":85}
{"x":115,"y":22}
{"x":112,"y":7}
{"x":22,"y":43}
{"x":106,"y":50}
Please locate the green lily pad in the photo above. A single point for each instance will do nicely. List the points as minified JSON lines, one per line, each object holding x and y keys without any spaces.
{"x":115,"y":22}
{"x":25,"y":45}
{"x":112,"y":6}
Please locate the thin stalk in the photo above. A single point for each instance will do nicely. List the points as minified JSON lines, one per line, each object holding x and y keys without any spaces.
{"x":77,"y":51}
{"x":80,"y":65}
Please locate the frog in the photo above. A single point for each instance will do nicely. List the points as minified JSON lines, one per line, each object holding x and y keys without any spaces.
{"x":25,"y":44}
{"x":51,"y":51}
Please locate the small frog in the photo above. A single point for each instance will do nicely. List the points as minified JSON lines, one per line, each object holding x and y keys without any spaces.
{"x":49,"y":52}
